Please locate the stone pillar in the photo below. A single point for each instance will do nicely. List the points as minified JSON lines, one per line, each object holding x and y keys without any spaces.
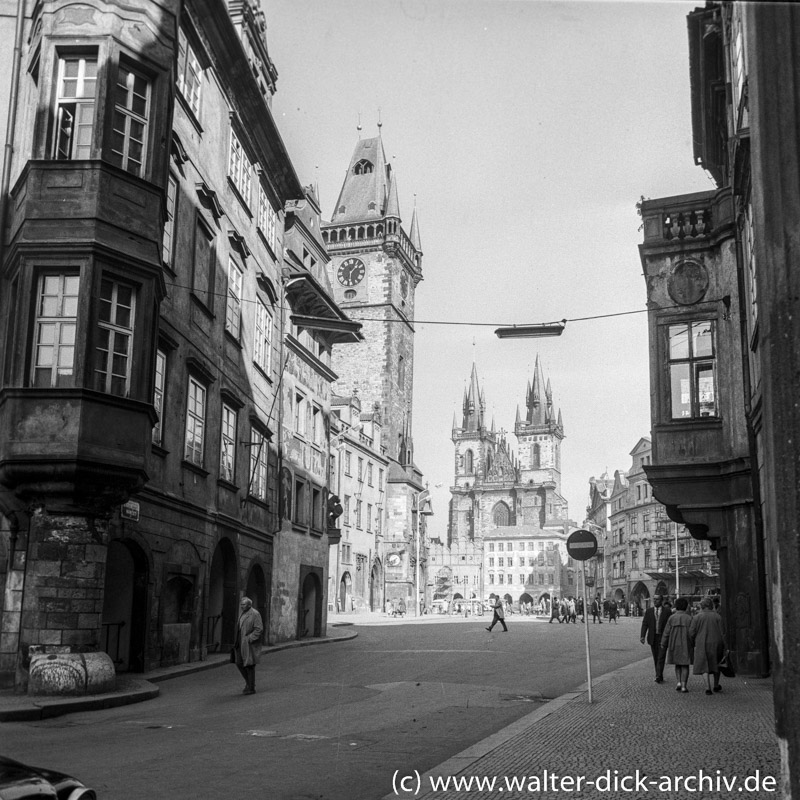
{"x":64,"y":582}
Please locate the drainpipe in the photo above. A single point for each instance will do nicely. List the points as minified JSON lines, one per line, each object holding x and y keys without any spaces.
{"x":5,"y":182}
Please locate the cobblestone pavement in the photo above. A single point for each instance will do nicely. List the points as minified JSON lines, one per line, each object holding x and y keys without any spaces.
{"x":634,"y":728}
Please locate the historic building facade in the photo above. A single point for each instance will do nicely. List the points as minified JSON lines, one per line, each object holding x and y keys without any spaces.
{"x":375,"y":269}
{"x":359,"y":474}
{"x":733,"y":269}
{"x":143,"y":437}
{"x":508,"y":520}
{"x":644,"y":544}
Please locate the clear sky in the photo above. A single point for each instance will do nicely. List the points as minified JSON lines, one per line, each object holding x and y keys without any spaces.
{"x":525,"y":132}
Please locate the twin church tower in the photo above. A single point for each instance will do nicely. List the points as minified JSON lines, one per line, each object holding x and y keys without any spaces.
{"x":495,"y":488}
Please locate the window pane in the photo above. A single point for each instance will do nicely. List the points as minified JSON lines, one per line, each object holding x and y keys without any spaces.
{"x":680,"y":391}
{"x":702,"y":344}
{"x":678,"y":341}
{"x":705,"y":390}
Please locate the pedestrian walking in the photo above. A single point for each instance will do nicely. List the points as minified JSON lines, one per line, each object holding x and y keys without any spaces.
{"x":653,"y":622}
{"x":401,"y":607}
{"x":675,"y":640}
{"x":613,"y":611}
{"x":499,"y":615}
{"x":597,"y":610}
{"x":554,"y":609}
{"x":247,"y":647}
{"x":708,"y":639}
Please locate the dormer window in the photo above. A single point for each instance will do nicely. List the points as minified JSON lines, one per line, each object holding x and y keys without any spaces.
{"x":363,"y":167}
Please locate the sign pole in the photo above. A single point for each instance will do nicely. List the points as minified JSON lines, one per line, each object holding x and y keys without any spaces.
{"x":582,"y":545}
{"x":586,"y":629}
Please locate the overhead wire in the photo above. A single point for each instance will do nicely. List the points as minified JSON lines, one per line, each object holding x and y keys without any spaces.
{"x":356,"y":318}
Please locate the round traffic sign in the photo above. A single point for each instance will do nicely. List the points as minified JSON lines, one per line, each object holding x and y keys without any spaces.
{"x":581,"y":545}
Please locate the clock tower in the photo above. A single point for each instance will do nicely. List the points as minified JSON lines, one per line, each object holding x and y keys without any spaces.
{"x":375,"y":269}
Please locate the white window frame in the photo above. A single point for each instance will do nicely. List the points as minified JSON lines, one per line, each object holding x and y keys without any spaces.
{"x":195,"y":422}
{"x":227,"y":443}
{"x":259,"y":453}
{"x":190,"y":74}
{"x":267,"y":219}
{"x":159,"y":387}
{"x":239,"y":169}
{"x":262,"y":346}
{"x":233,"y":307}
{"x":116,"y":357}
{"x":56,"y":331}
{"x":131,"y":121}
{"x":73,"y":138}
{"x":169,"y":224}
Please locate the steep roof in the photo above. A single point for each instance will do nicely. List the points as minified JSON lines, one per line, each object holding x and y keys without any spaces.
{"x":368,"y":185}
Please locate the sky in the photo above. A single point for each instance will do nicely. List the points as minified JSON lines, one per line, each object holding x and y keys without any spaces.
{"x":525,"y":132}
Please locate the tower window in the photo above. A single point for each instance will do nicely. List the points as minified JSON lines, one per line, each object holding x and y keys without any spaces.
{"x":363,"y":167}
{"x":469,"y":463}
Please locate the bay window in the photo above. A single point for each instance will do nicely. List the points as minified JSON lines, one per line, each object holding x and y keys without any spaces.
{"x":131,"y":112}
{"x":115,"y":317}
{"x":55,"y":328}
{"x":75,"y":107}
{"x":692,"y":366}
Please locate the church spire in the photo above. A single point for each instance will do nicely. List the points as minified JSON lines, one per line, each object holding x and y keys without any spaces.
{"x":536,"y":409}
{"x":393,"y":204}
{"x":414,"y":235}
{"x":473,"y":404}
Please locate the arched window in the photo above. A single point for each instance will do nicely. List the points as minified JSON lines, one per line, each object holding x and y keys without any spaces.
{"x":469,"y":464}
{"x":363,"y":167}
{"x":489,"y":462}
{"x":537,"y":456}
{"x":501,"y":514}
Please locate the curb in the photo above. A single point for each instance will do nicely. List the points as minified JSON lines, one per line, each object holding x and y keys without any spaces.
{"x":459,"y":762}
{"x":141,"y":689}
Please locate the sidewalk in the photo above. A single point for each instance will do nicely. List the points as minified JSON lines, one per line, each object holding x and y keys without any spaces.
{"x":134,"y":689}
{"x":633,"y":724}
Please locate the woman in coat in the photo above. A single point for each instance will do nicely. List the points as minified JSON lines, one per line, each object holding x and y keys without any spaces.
{"x":707,"y":638}
{"x":675,"y":640}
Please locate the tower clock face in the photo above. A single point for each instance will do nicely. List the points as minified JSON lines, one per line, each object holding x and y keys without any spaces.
{"x":403,"y":283}
{"x":351,"y":271}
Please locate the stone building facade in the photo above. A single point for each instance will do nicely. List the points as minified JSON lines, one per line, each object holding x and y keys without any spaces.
{"x":144,"y":282}
{"x":375,"y":270}
{"x":745,"y":93}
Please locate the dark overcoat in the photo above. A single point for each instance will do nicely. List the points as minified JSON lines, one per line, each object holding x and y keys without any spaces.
{"x":705,"y":633}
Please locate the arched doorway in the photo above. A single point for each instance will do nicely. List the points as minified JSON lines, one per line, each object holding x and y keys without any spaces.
{"x":124,"y":621}
{"x":223,"y":600}
{"x":309,"y":608}
{"x":525,"y":603}
{"x":176,"y":622}
{"x":257,"y":592}
{"x":345,"y":592}
{"x":640,"y":597}
{"x":375,"y":600}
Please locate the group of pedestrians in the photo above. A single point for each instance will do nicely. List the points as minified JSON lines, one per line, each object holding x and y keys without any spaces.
{"x":567,"y":610}
{"x":678,"y":638}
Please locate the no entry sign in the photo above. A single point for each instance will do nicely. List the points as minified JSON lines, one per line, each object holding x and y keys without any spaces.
{"x":581,"y":545}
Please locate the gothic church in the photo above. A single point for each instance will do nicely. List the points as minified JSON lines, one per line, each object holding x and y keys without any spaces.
{"x":508,"y":520}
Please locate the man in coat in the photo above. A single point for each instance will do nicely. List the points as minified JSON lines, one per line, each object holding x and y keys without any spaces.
{"x":652,"y":627}
{"x":247,"y":647}
{"x":499,"y":615}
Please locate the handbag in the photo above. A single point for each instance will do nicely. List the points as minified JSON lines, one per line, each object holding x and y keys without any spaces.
{"x":726,"y":666}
